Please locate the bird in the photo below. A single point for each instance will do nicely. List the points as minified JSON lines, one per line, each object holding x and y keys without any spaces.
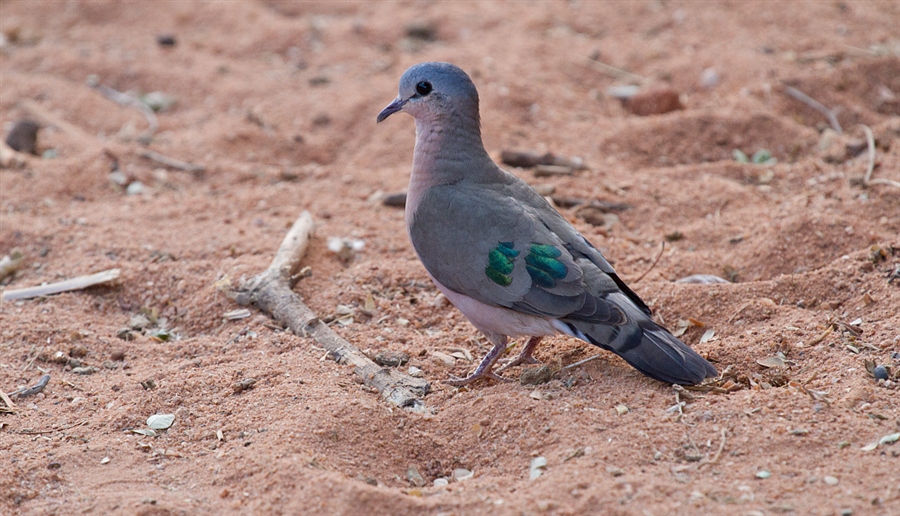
{"x":503,"y":256}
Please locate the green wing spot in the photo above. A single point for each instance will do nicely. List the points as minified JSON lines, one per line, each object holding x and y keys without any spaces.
{"x":543,"y":266}
{"x":507,"y":249}
{"x":545,"y":250}
{"x":500,"y":263}
{"x":540,"y":278}
{"x":497,"y":277}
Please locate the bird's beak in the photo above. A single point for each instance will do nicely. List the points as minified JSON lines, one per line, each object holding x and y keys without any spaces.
{"x":392,"y":108}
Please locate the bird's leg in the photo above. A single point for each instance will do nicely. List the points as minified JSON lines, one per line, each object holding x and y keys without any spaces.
{"x":484,"y":368}
{"x":525,"y":356}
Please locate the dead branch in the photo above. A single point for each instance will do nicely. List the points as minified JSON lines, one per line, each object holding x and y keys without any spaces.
{"x":652,"y":265}
{"x":718,"y":452}
{"x":10,"y":407}
{"x":617,"y":73}
{"x":34,"y":389}
{"x":171,"y":162}
{"x":867,"y":179}
{"x":271,"y":292}
{"x":815,"y":104}
{"x":127,"y":100}
{"x":78,"y":283}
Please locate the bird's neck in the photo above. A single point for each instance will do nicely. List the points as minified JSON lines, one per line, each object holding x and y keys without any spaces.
{"x":447,"y":151}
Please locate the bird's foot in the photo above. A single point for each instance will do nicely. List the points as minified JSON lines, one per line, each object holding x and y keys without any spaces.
{"x":519,"y":360}
{"x":525,"y":357}
{"x":484,"y":368}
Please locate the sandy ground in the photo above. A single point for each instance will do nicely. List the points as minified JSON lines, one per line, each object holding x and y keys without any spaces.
{"x":278,"y":101}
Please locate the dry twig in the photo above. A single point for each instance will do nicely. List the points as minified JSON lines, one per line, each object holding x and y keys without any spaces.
{"x":171,"y":162}
{"x":78,"y":283}
{"x":618,"y":73}
{"x":271,"y":292}
{"x":658,"y":256}
{"x":127,"y":100}
{"x":34,"y":389}
{"x":815,"y":104}
{"x":718,"y":452}
{"x":10,"y":406}
{"x":867,"y":179}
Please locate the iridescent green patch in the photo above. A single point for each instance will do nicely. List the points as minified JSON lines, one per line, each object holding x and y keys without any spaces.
{"x":543,"y":267}
{"x":500,"y":263}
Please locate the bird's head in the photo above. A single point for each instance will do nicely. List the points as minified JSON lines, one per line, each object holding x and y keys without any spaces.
{"x":432,"y":91}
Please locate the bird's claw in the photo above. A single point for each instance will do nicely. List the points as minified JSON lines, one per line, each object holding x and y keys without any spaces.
{"x":519,"y":360}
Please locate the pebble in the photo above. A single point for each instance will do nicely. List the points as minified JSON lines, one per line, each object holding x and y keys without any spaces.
{"x":415,"y":372}
{"x":118,"y":356}
{"x":880,"y":372}
{"x":655,"y":101}
{"x":166,"y":40}
{"x":614,"y":471}
{"x":763,"y":474}
{"x":536,"y":375}
{"x":460,"y":474}
{"x":832,"y":481}
{"x":23,"y":136}
{"x":84,"y":370}
{"x":414,"y":477}
{"x":537,"y":465}
{"x":390,"y":358}
{"x":440,"y":482}
{"x":441,"y":358}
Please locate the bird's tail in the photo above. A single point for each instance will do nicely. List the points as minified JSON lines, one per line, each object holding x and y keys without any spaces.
{"x":646,"y":346}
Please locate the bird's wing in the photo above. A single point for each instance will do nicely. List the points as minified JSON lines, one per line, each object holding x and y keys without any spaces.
{"x":497,"y":244}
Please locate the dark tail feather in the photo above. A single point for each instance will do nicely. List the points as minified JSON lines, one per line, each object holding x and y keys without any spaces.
{"x":649,"y":348}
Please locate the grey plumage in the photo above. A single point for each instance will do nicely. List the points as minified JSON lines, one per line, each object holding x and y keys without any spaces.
{"x":509,"y":261}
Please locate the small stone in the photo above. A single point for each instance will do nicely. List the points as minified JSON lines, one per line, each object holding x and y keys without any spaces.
{"x":441,"y":358}
{"x":537,"y":466}
{"x":160,"y":421}
{"x":54,"y":465}
{"x":880,"y":372}
{"x":104,"y":460}
{"x":536,"y":375}
{"x":134,"y":188}
{"x":614,"y":471}
{"x":763,"y":474}
{"x":622,"y":409}
{"x":412,"y":474}
{"x":84,"y":370}
{"x":78,"y":352}
{"x":460,"y":474}
{"x":846,"y":512}
{"x":415,"y":372}
{"x":832,"y":481}
{"x":709,"y":78}
{"x":149,"y":384}
{"x":23,"y":137}
{"x":421,"y":30}
{"x":390,"y":358}
{"x":166,"y":40}
{"x":118,"y":356}
{"x":125,"y":334}
{"x":441,"y":482}
{"x":243,"y":385}
{"x":138,"y":322}
{"x":654,"y":101}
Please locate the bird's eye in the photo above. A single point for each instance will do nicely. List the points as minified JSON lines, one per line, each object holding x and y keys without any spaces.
{"x":423,"y":88}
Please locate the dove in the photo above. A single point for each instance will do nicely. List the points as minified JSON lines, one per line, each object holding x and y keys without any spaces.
{"x":504,"y":256}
